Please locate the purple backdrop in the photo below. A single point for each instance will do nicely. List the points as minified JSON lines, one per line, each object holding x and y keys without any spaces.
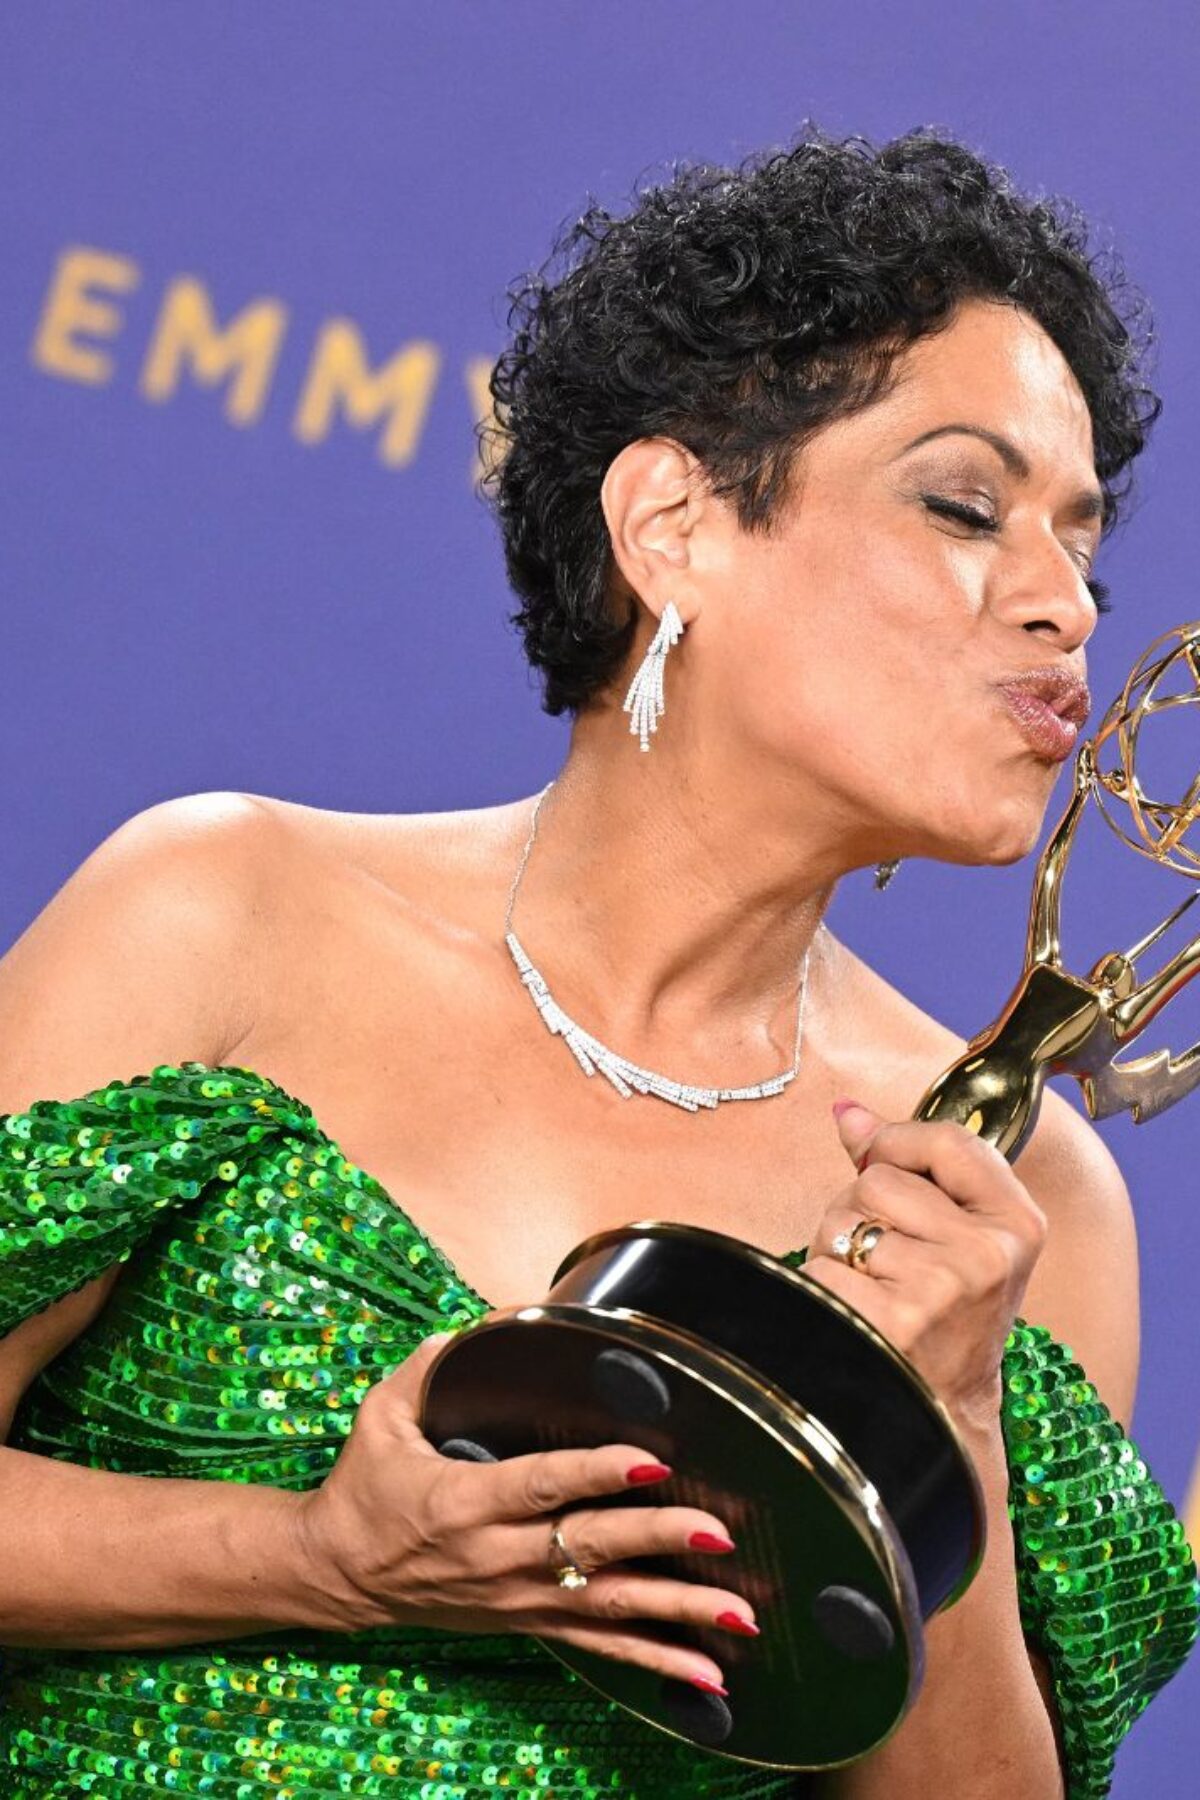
{"x":232,"y":577}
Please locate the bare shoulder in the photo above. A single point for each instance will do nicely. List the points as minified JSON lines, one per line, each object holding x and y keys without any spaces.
{"x":374,"y":904}
{"x":146,"y":954}
{"x":1084,"y":1287}
{"x":145,"y":951}
{"x":419,"y":855}
{"x":425,"y":890}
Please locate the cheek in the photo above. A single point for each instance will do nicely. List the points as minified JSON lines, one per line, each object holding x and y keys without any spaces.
{"x":892,"y":593}
{"x":847,"y":666}
{"x":845,"y":704}
{"x":850,"y":650}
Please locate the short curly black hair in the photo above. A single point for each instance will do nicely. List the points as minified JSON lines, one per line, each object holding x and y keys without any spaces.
{"x":738,"y":310}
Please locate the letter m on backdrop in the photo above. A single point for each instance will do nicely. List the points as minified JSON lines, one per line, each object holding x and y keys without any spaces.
{"x":244,"y":351}
{"x":340,"y":379}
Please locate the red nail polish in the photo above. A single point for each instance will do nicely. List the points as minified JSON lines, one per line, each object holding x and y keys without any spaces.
{"x":708,"y":1540}
{"x":732,"y":1621}
{"x":648,"y":1472}
{"x":707,"y":1686}
{"x":861,"y":1164}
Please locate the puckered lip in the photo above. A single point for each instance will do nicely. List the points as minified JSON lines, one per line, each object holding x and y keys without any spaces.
{"x":1064,"y":691}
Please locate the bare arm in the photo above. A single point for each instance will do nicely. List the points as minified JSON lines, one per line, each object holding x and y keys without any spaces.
{"x":95,"y":1560}
{"x":146,"y":955}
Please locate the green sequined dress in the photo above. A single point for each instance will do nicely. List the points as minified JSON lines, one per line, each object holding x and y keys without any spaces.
{"x":270,"y":1282}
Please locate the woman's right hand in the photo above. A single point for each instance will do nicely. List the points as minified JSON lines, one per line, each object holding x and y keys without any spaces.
{"x":400,"y":1535}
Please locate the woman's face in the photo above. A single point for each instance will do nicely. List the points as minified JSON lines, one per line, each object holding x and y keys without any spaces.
{"x":861,"y":645}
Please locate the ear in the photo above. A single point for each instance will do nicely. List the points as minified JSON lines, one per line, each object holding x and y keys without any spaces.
{"x":652,"y":502}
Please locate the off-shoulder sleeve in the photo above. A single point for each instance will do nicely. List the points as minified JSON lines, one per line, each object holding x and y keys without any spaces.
{"x":1106,"y":1578}
{"x":83,"y":1182}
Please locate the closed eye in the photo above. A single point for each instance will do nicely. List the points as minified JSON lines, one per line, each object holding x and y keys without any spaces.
{"x":966,"y":515}
{"x":981,"y":521}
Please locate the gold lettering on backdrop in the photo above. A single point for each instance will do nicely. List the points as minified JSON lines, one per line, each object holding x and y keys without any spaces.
{"x":187,"y":334}
{"x":70,"y":307}
{"x":188,"y":342}
{"x":340,"y":378}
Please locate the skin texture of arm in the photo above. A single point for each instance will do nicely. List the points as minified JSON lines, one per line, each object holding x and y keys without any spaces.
{"x":153,"y":1561}
{"x":984,"y":1726}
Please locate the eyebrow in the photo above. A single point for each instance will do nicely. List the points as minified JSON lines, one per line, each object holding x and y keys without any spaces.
{"x":1088,"y":504}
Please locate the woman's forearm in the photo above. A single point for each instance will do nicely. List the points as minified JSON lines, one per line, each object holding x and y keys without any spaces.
{"x":95,"y":1560}
{"x":980,"y":1729}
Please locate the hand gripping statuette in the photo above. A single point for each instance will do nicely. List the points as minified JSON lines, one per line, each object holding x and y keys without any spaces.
{"x":1057,"y":1022}
{"x":853,"y":1499}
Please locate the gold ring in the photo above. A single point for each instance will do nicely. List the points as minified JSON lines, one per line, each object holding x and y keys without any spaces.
{"x":568,"y":1573}
{"x":863,"y":1239}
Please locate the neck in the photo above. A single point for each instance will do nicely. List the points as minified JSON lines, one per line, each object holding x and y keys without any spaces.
{"x":671,"y":912}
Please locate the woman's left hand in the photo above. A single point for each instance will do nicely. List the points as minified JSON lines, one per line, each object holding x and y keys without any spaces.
{"x":947,"y":1278}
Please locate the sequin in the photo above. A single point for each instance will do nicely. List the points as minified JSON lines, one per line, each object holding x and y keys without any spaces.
{"x":270,"y":1282}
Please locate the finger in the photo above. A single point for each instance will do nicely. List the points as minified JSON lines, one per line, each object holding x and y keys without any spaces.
{"x":842,"y":1221}
{"x":594,"y":1536}
{"x":620,"y":1593}
{"x":911,"y":1203}
{"x":966,"y":1168}
{"x":627,"y":1644}
{"x":547,"y":1481}
{"x":926,"y":1266}
{"x":856,"y":1126}
{"x":900,"y":1310}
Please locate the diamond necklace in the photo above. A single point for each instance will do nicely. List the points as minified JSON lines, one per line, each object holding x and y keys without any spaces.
{"x":628,"y":1077}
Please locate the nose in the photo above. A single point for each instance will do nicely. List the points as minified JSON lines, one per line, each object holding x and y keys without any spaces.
{"x":1046,"y":594}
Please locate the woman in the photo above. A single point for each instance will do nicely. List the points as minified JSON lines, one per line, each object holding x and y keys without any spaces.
{"x":807,"y":463}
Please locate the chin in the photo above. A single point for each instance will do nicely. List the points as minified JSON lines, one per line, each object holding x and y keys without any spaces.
{"x":1013,"y":838}
{"x":1003,"y":855}
{"x":1004,"y":824}
{"x":993,"y":837}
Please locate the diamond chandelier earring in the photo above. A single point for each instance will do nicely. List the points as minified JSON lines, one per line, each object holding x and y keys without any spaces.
{"x":644,"y":702}
{"x":884,"y":872}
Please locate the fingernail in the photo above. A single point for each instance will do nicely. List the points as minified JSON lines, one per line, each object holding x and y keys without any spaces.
{"x":861,"y":1164}
{"x":648,"y":1472}
{"x":735,"y":1622}
{"x":709,"y":1687}
{"x":843,"y":1106}
{"x":708,"y":1540}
